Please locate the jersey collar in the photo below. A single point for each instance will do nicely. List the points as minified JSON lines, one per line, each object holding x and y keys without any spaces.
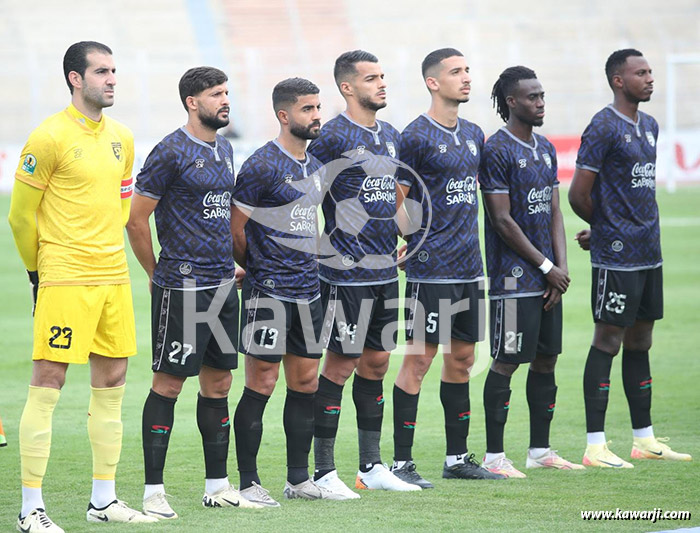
{"x":200,"y":142}
{"x":628,"y":119}
{"x":302,"y":164}
{"x":439,"y":126}
{"x":85,"y":122}
{"x":521,"y":142}
{"x":375,"y":133}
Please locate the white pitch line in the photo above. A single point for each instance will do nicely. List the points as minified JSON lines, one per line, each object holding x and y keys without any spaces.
{"x":680,"y":222}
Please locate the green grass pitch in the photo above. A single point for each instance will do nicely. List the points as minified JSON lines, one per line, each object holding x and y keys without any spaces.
{"x":544,"y":501}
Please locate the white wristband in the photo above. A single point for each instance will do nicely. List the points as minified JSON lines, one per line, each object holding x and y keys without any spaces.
{"x":546,"y":266}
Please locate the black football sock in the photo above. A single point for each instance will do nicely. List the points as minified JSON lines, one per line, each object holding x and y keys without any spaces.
{"x":636,"y":378}
{"x":248,"y":429}
{"x":156,"y":425}
{"x":541,"y":399}
{"x":405,"y":413}
{"x":367,"y":394}
{"x":215,"y":427}
{"x":326,"y":417}
{"x":299,"y":428}
{"x":496,"y":404}
{"x":596,"y":388}
{"x":456,"y":406}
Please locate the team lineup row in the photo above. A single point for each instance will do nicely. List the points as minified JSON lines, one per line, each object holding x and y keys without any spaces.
{"x":307,"y":291}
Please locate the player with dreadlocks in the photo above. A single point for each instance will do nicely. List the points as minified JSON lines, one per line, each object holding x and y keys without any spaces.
{"x":526,"y":263}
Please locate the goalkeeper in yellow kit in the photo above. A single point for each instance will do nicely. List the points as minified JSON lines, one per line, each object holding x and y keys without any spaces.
{"x":69,"y":205}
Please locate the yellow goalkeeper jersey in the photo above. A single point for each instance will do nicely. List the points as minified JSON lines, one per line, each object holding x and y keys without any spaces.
{"x":82,"y":166}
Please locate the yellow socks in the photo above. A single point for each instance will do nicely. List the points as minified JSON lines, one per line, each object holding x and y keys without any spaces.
{"x":35,"y":434}
{"x":105,"y":430}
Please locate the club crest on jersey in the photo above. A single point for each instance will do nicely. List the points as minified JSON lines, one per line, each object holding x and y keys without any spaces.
{"x":117,"y":149}
{"x":522,"y":163}
{"x":547,"y":160}
{"x":392,"y":150}
{"x":199,"y":163}
{"x":442,"y":148}
{"x":650,"y":138}
{"x":229,"y":165}
{"x":317,"y":182}
{"x":472,"y":146}
{"x":29,"y":164}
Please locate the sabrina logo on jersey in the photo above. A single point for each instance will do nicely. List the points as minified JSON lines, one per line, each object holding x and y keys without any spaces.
{"x":461,"y":191}
{"x":540,"y":200}
{"x":303,"y":219}
{"x":644,"y":176}
{"x":379,"y":189}
{"x":217,"y":205}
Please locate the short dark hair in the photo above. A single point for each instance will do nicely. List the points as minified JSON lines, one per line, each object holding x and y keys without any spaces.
{"x":616,"y":60}
{"x":75,"y":58}
{"x":434,"y":58}
{"x":345,"y":64}
{"x":288,"y":91}
{"x":506,"y":82}
{"x":199,"y":79}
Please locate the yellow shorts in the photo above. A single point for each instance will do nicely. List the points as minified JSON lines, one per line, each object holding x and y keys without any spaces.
{"x":73,"y":321}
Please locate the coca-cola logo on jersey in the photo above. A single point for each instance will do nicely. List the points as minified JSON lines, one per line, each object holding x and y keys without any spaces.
{"x":379,"y":189}
{"x":644,"y":175}
{"x":303,"y":219}
{"x":461,"y":191}
{"x":540,"y":200}
{"x":217,"y":205}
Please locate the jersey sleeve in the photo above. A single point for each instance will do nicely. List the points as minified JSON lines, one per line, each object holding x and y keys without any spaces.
{"x":493,"y":172}
{"x":157,"y":173}
{"x":325,"y":147}
{"x":594,"y":146}
{"x":251,"y":183}
{"x":410,"y":154}
{"x":38,"y":160}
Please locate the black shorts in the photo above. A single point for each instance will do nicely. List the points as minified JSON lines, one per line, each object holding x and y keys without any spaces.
{"x":271,"y":327}
{"x":358,"y":317}
{"x":438,"y":312}
{"x":182,"y":339}
{"x":620,"y":297}
{"x":521,"y":329}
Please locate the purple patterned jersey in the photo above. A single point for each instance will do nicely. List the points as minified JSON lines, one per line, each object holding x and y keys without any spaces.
{"x":625,"y":231}
{"x":528,"y":174}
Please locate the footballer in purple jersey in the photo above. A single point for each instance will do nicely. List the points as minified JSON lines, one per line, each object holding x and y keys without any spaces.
{"x":182,"y":172}
{"x":360,"y":296}
{"x":526,"y":262}
{"x":188,"y":180}
{"x":282,"y":194}
{"x":275,"y":234}
{"x":445,"y":271}
{"x":614,"y":190}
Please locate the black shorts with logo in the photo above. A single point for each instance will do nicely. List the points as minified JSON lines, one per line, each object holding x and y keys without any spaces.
{"x":521,"y":329}
{"x":438,"y":312}
{"x":621,"y":297}
{"x":358,"y":317}
{"x":185,"y":336}
{"x":271,"y":327}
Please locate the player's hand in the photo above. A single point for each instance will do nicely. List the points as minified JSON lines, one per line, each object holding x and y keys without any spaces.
{"x":553,"y":297}
{"x":239,"y":275}
{"x":400,"y":261}
{"x":583,"y":238}
{"x":34,"y":282}
{"x":558,"y":279}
